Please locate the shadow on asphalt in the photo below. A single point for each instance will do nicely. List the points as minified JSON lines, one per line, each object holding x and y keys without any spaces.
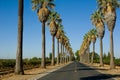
{"x":71,"y":70}
{"x":79,"y":68}
{"x":100,"y":77}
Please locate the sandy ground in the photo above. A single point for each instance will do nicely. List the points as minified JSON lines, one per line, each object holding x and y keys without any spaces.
{"x":114,"y":73}
{"x":29,"y":74}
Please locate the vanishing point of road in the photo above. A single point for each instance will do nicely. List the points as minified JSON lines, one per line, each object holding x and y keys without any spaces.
{"x":76,"y":71}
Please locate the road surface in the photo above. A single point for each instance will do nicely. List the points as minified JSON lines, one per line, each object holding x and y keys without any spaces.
{"x":76,"y":71}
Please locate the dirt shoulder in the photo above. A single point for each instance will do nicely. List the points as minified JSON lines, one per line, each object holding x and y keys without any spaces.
{"x":30,"y":74}
{"x":114,"y":73}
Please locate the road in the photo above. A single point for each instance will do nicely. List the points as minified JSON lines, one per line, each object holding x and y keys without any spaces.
{"x":76,"y":71}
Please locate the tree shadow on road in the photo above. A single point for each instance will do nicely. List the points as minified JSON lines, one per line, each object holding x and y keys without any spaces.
{"x":78,"y":68}
{"x":100,"y":77}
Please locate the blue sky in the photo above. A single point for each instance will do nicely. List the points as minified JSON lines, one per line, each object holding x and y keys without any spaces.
{"x":76,"y":20}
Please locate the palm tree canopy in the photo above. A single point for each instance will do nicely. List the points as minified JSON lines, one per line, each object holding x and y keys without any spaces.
{"x":60,"y":29}
{"x":108,"y":9}
{"x":54,"y":22}
{"x":108,"y":4}
{"x":43,"y":8}
{"x":37,"y":4}
{"x":97,"y":19}
{"x":54,"y":16}
{"x":87,"y":38}
{"x":93,"y":34}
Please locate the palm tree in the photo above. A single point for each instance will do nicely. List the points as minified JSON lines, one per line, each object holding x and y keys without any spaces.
{"x":61,"y":42}
{"x":19,"y":63}
{"x":81,"y":51}
{"x":58,"y":38}
{"x":108,"y":9}
{"x":66,"y":45}
{"x":61,"y":48}
{"x":93,"y":39}
{"x":43,"y":8}
{"x":97,"y":21}
{"x":54,"y":20}
{"x":84,"y":49}
{"x":88,"y":36}
{"x":66,"y":41}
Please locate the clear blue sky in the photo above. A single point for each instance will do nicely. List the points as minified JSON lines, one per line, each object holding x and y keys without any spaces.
{"x":76,"y":20}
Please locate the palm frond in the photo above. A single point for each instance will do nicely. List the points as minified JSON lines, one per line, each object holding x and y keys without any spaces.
{"x":51,"y":6}
{"x":36,"y":4}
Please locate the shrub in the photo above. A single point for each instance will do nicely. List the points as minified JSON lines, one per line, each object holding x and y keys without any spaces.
{"x":7,"y":63}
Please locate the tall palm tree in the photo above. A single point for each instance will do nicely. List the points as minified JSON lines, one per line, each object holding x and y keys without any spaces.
{"x":19,"y":63}
{"x":61,"y":42}
{"x":88,"y":46}
{"x":61,"y":48}
{"x":108,"y":9}
{"x":97,"y":21}
{"x":84,"y":50}
{"x":66,"y":40}
{"x":58,"y":38}
{"x":43,"y":8}
{"x":93,"y":39}
{"x":54,"y":20}
{"x":66,"y":45}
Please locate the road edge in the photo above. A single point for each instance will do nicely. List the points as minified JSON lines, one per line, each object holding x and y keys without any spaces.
{"x":48,"y":72}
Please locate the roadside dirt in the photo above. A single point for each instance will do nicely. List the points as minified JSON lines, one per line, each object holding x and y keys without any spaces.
{"x":28,"y":73}
{"x":114,"y":73}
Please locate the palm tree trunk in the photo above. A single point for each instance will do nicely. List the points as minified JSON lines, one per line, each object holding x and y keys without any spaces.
{"x":101,"y":52}
{"x":53,"y":51}
{"x":81,"y":58}
{"x":112,"y":65}
{"x":93,"y":53}
{"x":19,"y":63}
{"x":65,"y":55}
{"x":70,"y":58}
{"x":61,"y":54}
{"x":43,"y":65}
{"x":58,"y":51}
{"x":88,"y":56}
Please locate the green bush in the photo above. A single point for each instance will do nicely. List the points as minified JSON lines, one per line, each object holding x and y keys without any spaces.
{"x":34,"y":61}
{"x":7,"y":63}
{"x":117,"y":62}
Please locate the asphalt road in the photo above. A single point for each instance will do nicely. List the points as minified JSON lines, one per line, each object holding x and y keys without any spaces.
{"x":76,"y":71}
